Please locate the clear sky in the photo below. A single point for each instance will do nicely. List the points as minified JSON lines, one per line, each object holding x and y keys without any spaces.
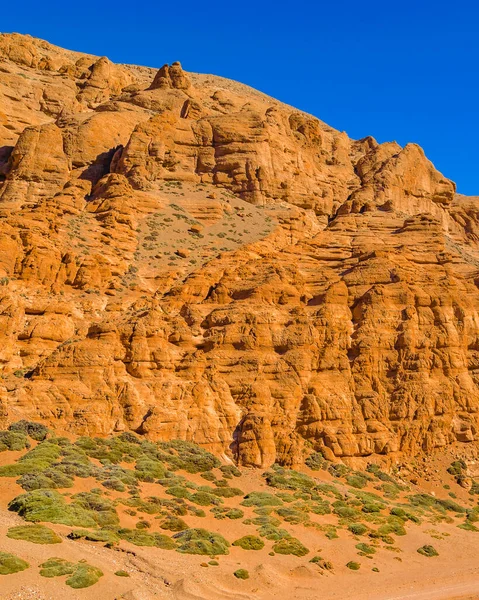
{"x":405,"y":71}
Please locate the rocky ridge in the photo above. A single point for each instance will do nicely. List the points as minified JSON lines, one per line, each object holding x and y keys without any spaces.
{"x":185,"y":257}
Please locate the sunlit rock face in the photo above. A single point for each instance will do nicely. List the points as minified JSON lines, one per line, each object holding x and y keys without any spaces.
{"x":185,"y":257}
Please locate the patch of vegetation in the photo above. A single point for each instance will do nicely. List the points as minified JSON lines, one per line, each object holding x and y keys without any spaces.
{"x":142,"y":538}
{"x":9,"y":563}
{"x":36,"y":431}
{"x":357,"y":528}
{"x":356,"y":480}
{"x":290,"y":545}
{"x":86,"y":509}
{"x":173,"y":523}
{"x":105,"y":536}
{"x":201,"y":541}
{"x":428,"y":550}
{"x":82,"y":575}
{"x":241,"y":574}
{"x":10,"y":440}
{"x":261,"y":499}
{"x":249,"y":542}
{"x":122,"y":573}
{"x":230,"y":471}
{"x":325,"y":565}
{"x":365,"y":548}
{"x":315,"y":461}
{"x":354,"y":566}
{"x":190,"y":457}
{"x":37,"y":534}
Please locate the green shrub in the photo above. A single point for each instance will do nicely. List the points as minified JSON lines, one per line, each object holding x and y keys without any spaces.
{"x":98,"y":535}
{"x":122,"y":573}
{"x":173,"y":523}
{"x":114,"y":484}
{"x":325,"y":565}
{"x":190,"y":457}
{"x":209,"y":476}
{"x":315,"y":461}
{"x":230,"y":471}
{"x":291,"y":515}
{"x":241,"y":574}
{"x":81,"y":574}
{"x":84,"y":576}
{"x":261,"y":499}
{"x":56,"y":567}
{"x":201,"y":541}
{"x":142,"y":538}
{"x":227,"y":492}
{"x":49,"y":506}
{"x":357,"y":528}
{"x":249,"y":542}
{"x":11,"y":440}
{"x":356,"y":481}
{"x":365,"y":548}
{"x":37,"y":534}
{"x":148,"y":469}
{"x":9,"y":563}
{"x":204,"y":499}
{"x":36,"y":431}
{"x":428,"y":551}
{"x":49,"y":479}
{"x":354,"y":566}
{"x":290,"y":545}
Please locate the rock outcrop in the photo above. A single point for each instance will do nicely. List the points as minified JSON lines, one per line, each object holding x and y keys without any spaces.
{"x":185,"y":257}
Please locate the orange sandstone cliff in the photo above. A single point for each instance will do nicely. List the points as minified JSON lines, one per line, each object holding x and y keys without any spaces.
{"x":185,"y":257}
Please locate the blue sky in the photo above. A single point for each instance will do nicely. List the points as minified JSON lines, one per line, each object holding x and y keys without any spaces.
{"x":404,"y":71}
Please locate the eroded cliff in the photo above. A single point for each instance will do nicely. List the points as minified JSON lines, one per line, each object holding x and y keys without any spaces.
{"x":185,"y":257}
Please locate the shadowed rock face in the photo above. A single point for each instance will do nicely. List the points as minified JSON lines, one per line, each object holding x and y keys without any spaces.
{"x":185,"y":257}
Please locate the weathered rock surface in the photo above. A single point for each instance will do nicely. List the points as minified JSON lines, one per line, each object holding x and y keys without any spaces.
{"x":183,"y":256}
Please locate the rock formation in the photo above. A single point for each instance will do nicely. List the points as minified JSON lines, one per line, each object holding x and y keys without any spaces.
{"x":185,"y":257}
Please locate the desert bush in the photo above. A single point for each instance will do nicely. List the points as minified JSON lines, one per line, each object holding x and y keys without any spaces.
{"x":190,"y":457}
{"x":50,"y":506}
{"x":114,"y":484}
{"x":172,"y":523}
{"x":354,"y":566}
{"x":9,"y":563}
{"x":325,"y":565}
{"x":204,"y":499}
{"x":201,"y":541}
{"x":365,"y":548}
{"x":291,"y":515}
{"x":122,"y":573}
{"x":227,"y":492}
{"x":241,"y":574}
{"x":11,"y":440}
{"x":356,"y":480}
{"x":143,"y":538}
{"x":315,"y":461}
{"x":261,"y":499}
{"x":357,"y":528}
{"x":101,"y":509}
{"x":37,"y":534}
{"x":105,"y":536}
{"x":81,"y":574}
{"x":249,"y":542}
{"x":428,"y":550}
{"x":36,"y":431}
{"x":230,"y":471}
{"x":290,"y":545}
{"x":148,"y":469}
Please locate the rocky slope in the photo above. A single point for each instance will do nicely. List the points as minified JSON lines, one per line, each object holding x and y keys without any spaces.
{"x":185,"y":257}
